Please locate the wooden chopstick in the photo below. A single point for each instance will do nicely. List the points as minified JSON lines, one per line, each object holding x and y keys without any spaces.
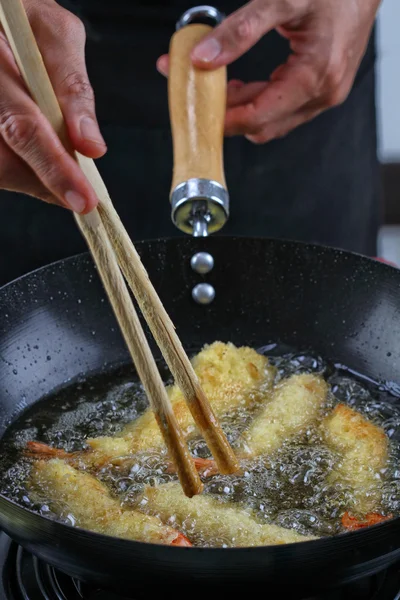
{"x":28,"y":58}
{"x":110,"y":274}
{"x":30,"y":62}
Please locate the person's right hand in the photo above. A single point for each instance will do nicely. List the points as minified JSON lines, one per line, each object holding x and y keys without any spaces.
{"x":32,"y":159}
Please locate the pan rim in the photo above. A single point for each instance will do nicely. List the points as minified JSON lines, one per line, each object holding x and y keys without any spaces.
{"x":280,"y":241}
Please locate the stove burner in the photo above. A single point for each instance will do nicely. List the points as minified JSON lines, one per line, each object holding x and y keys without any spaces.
{"x":24,"y":577}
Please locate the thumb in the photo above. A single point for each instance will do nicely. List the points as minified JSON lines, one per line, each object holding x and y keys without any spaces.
{"x":237,"y":34}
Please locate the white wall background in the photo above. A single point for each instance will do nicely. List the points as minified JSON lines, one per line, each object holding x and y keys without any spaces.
{"x":388,"y":80}
{"x":388,"y":106}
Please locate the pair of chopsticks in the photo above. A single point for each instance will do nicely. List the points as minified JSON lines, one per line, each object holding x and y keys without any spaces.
{"x":116,"y":257}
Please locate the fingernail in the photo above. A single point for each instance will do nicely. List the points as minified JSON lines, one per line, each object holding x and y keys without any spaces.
{"x":160,"y":66}
{"x":90,"y":131}
{"x":253,"y":139}
{"x":75,"y":201}
{"x":207,"y":50}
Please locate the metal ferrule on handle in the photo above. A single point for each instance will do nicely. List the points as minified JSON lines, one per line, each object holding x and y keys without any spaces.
{"x":200,"y":206}
{"x":197,"y":102}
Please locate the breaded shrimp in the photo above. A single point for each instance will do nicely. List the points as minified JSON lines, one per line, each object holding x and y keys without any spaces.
{"x":295,"y":405}
{"x":208,"y":519}
{"x":89,"y":502}
{"x":229,"y":376}
{"x":363,"y":452}
{"x":113,"y":451}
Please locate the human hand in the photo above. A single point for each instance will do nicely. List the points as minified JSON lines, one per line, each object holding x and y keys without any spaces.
{"x":328,"y":39}
{"x":32,"y":158}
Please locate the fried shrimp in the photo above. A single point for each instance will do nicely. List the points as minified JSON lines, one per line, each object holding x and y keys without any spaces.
{"x":91,"y":505}
{"x":295,"y":405}
{"x":362,"y":449}
{"x":230,"y":377}
{"x":209,"y":520}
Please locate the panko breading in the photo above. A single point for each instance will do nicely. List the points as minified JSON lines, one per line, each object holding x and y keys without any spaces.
{"x":231,"y":378}
{"x":363,"y":453}
{"x":93,"y":508}
{"x":295,"y":405}
{"x":208,"y":519}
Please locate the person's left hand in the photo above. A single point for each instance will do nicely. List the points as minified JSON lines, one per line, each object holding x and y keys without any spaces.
{"x":328,"y":39}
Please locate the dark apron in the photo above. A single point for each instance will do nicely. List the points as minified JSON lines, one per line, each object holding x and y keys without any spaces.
{"x":320,"y":183}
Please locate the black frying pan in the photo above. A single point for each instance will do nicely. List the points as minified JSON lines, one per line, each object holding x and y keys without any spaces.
{"x":340,"y":305}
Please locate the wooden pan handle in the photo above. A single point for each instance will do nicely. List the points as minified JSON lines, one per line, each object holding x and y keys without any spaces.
{"x":197,"y":104}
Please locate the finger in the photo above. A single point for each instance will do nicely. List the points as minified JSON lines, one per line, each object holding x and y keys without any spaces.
{"x":28,"y":133}
{"x":61,"y":39}
{"x":293,"y":86}
{"x":240,"y":31}
{"x":234,"y":97}
{"x":7,"y":53}
{"x":16,"y":176}
{"x":239,"y":93}
{"x":163,"y":65}
{"x":282,"y":128}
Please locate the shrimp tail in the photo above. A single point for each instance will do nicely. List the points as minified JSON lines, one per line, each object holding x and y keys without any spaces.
{"x":181,"y":540}
{"x":42,"y":451}
{"x":205,"y":466}
{"x":352,"y":523}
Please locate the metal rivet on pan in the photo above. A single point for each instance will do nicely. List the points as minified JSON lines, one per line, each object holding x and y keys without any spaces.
{"x":203,"y":293}
{"x":202,"y":263}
